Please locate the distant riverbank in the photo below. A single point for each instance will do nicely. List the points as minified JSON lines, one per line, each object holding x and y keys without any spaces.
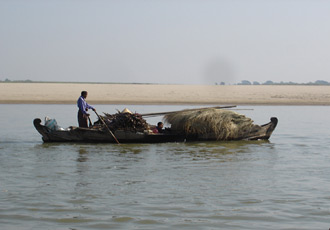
{"x":67,"y":93}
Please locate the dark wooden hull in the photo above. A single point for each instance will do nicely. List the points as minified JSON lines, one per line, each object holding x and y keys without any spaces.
{"x":95,"y":135}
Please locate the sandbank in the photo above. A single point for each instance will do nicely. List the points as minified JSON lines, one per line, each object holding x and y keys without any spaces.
{"x":67,"y":93}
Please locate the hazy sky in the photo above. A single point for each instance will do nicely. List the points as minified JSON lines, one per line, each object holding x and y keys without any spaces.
{"x":165,"y":41}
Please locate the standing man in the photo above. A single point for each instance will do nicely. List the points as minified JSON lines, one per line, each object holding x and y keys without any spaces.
{"x":83,"y":108}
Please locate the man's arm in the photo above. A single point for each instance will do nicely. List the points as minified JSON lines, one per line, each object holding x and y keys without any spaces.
{"x":90,"y":107}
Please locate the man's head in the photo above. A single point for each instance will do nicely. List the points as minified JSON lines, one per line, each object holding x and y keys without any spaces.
{"x":84,"y":94}
{"x":160,"y":125}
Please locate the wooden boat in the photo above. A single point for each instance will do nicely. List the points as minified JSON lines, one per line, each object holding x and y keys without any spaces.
{"x":99,"y":134}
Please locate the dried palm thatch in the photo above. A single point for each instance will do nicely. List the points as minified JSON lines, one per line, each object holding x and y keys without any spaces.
{"x":217,"y":123}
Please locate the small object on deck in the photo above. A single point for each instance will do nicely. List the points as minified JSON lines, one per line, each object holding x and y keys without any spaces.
{"x":126,"y":110}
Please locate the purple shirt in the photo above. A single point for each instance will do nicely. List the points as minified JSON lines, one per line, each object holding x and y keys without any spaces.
{"x":83,"y":105}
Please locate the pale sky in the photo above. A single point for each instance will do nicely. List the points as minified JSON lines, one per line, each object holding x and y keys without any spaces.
{"x":165,"y":41}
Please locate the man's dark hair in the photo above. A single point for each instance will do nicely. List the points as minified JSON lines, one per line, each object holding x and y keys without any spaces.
{"x":83,"y":93}
{"x":159,"y":123}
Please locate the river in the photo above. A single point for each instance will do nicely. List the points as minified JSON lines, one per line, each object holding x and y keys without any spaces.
{"x":282,"y":183}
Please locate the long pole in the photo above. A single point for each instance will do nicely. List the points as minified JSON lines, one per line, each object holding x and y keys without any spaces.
{"x":164,"y":113}
{"x":101,"y":119}
{"x":90,"y":122}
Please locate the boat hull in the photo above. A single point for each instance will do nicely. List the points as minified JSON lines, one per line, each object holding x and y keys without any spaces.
{"x":97,"y":135}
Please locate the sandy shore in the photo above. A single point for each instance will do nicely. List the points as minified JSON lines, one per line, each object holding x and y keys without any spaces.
{"x":67,"y":93}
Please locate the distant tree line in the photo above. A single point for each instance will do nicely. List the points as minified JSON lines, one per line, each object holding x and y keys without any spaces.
{"x":243,"y":82}
{"x":30,"y":81}
{"x":246,"y":82}
{"x":7,"y":80}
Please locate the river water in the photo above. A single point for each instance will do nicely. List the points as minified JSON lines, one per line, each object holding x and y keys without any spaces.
{"x":283,"y":183}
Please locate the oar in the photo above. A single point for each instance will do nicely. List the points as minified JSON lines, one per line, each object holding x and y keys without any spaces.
{"x":101,"y":119}
{"x":90,"y":122}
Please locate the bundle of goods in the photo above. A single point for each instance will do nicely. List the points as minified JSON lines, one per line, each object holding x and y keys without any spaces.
{"x":125,"y":121}
{"x":222,"y":124}
{"x":51,"y":124}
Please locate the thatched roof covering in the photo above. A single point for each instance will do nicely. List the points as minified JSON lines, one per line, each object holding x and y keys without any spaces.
{"x":222,"y":124}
